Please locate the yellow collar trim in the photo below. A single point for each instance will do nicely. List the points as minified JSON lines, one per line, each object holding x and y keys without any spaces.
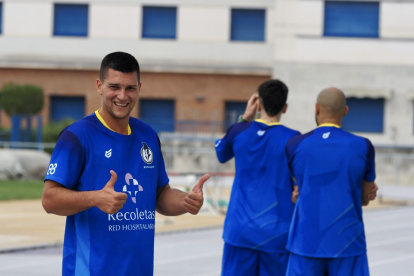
{"x":329,"y":125}
{"x":266,"y":123}
{"x":105,"y":124}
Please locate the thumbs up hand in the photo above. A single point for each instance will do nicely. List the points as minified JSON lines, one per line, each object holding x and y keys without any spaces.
{"x":108,"y":200}
{"x":194,"y":200}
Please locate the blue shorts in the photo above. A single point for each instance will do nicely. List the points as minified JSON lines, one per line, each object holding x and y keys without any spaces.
{"x":304,"y":266}
{"x":249,"y":262}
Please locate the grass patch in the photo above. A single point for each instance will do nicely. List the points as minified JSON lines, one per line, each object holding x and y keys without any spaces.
{"x":19,"y":189}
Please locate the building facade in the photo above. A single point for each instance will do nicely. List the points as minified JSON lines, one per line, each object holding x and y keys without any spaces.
{"x":201,"y":60}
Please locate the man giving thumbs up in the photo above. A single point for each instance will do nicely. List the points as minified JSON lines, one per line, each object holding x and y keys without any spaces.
{"x":110,"y":223}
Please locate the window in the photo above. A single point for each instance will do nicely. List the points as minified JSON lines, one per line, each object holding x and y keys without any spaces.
{"x":351,"y":19}
{"x":232,"y":113}
{"x":1,"y":16}
{"x":159,"y":114}
{"x":66,"y":108}
{"x":159,"y":22}
{"x":365,"y":115}
{"x":247,"y":25}
{"x":70,"y":20}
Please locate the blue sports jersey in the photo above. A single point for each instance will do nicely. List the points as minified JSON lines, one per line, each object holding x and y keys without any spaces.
{"x":97,"y":243}
{"x":329,"y":165}
{"x":260,"y":208}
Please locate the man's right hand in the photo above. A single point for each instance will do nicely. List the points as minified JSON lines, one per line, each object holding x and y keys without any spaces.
{"x":295,"y":194}
{"x":251,"y":108}
{"x":108,"y":200}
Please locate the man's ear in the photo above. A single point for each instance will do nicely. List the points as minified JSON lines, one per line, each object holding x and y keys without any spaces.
{"x":259,"y":106}
{"x":99,"y":86}
{"x":285,"y":108}
{"x":317,"y":109}
{"x":345,"y":111}
{"x":139,"y":88}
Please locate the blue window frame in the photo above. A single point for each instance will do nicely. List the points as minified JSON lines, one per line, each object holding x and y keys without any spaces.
{"x":232,"y":112}
{"x":351,"y":19}
{"x":365,"y":115}
{"x":159,"y":22}
{"x":66,"y":108}
{"x":70,"y":20}
{"x":1,"y":17}
{"x":247,"y":25}
{"x":159,"y":114}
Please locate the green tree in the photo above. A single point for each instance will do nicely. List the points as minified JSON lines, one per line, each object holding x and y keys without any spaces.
{"x":21,"y":99}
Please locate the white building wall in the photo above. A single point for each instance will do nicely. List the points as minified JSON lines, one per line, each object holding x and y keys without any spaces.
{"x":309,"y":62}
{"x":210,"y":24}
{"x":202,"y":44}
{"x":397,"y":20}
{"x":27,"y":19}
{"x":309,"y":18}
{"x":114,"y":21}
{"x":305,"y":81}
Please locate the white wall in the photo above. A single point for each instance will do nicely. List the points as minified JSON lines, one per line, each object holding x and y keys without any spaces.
{"x":203,"y":37}
{"x":27,"y":19}
{"x":348,"y":51}
{"x":305,"y":81}
{"x":197,"y":23}
{"x":397,"y":20}
{"x":115,"y":21}
{"x":309,"y":17}
{"x":159,"y":55}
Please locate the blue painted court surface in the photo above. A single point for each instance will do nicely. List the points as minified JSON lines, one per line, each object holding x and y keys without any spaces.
{"x":390,"y":237}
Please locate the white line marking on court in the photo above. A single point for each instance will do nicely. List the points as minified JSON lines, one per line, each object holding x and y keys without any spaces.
{"x":213,"y":273}
{"x":392,"y":260}
{"x":192,"y":243}
{"x":183,"y":259}
{"x":27,"y":264}
{"x":391,"y":241}
{"x":389,"y":227}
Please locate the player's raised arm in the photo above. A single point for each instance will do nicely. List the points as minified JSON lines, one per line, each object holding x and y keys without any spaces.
{"x":251,"y":108}
{"x":59,"y":200}
{"x":173,"y":202}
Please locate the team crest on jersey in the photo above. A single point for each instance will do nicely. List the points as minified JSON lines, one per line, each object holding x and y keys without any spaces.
{"x":326,"y":135}
{"x":108,"y":153}
{"x":261,"y":132}
{"x":146,"y":154}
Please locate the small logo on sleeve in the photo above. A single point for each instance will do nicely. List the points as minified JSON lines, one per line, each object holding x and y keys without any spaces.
{"x":52,"y":169}
{"x":146,"y":154}
{"x":218,"y":143}
{"x":326,"y":135}
{"x":108,"y":153}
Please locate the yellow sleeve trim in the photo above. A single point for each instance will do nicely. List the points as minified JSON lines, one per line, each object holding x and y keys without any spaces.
{"x":329,"y":125}
{"x":105,"y":124}
{"x":266,"y":123}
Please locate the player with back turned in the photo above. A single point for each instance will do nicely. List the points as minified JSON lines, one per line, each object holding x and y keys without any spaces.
{"x":335,"y":173}
{"x":110,"y":224}
{"x":260,"y":210}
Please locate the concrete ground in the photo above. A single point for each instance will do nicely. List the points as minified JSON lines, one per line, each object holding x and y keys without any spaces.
{"x":24,"y":224}
{"x":192,"y":245}
{"x":389,"y":231}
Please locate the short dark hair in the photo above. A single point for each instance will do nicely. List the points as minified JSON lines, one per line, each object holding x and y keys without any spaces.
{"x":273,"y":96}
{"x":119,"y":61}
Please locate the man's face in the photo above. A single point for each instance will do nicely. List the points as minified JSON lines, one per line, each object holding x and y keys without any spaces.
{"x":119,"y":93}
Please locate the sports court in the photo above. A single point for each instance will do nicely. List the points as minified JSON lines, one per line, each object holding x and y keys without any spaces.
{"x":389,"y":230}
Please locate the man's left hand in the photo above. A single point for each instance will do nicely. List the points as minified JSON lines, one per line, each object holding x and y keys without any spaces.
{"x":373,"y":193}
{"x":194,"y":200}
